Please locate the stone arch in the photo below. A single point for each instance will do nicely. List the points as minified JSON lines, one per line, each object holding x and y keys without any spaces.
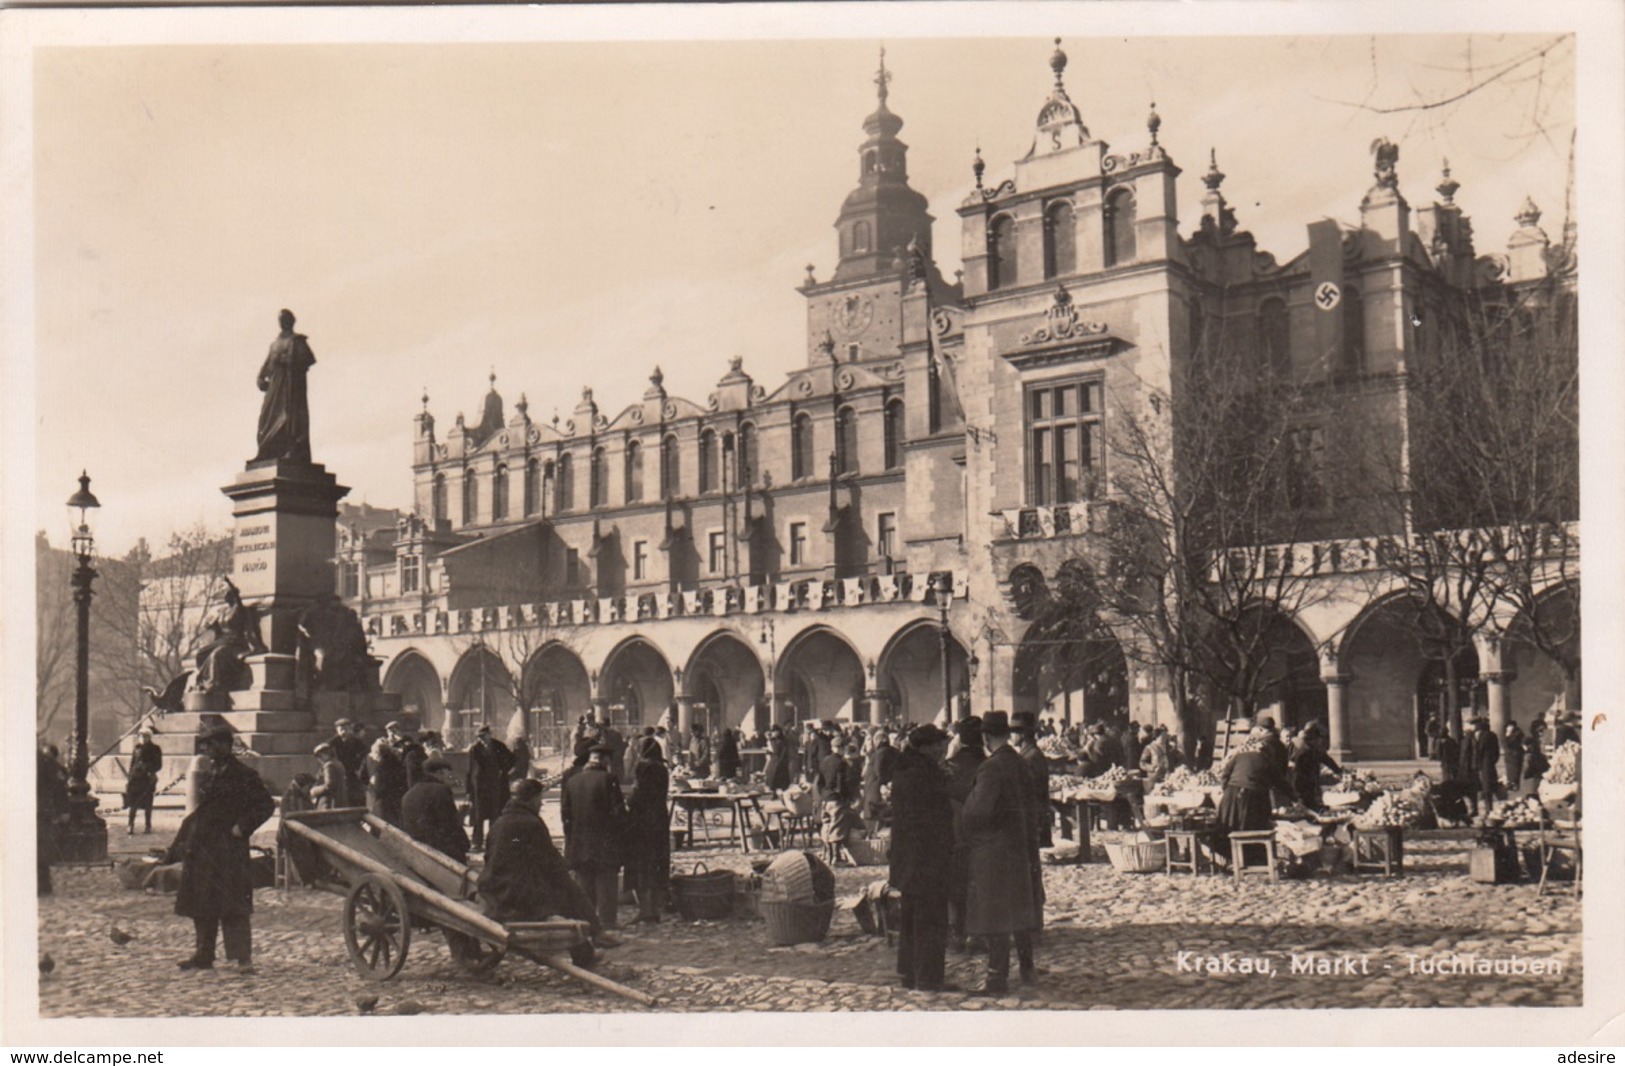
{"x":1071,"y":680}
{"x":413,"y":678}
{"x":819,"y":676}
{"x":558,"y":690}
{"x":635,"y":685}
{"x":480,"y":692}
{"x":725,"y":683}
{"x":1397,"y":676}
{"x":910,"y":673}
{"x":1286,"y":675}
{"x":1538,"y":677}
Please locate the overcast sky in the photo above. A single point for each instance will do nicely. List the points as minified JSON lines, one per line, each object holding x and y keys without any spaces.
{"x":575,"y":213}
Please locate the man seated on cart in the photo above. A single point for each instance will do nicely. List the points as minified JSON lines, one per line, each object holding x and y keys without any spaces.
{"x":525,"y":878}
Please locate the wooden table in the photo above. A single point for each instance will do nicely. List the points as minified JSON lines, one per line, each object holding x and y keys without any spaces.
{"x":744,"y":809}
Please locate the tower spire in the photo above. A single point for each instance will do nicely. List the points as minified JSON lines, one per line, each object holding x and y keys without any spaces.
{"x":883,"y":78}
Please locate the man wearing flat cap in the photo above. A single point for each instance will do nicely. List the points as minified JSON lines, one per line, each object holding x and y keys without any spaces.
{"x":429,"y":811}
{"x":351,"y":751}
{"x":594,"y":817}
{"x":489,"y":763}
{"x":332,"y":790}
{"x":217,"y":886}
{"x":962,"y":767}
{"x":922,"y":855}
{"x":1004,"y":900}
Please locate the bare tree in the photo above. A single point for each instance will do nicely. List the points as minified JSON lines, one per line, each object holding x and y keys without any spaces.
{"x":1216,"y":487}
{"x":54,"y":640}
{"x":1486,"y":484}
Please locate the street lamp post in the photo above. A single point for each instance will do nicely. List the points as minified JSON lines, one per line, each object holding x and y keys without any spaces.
{"x":85,"y":839}
{"x":944,"y":589}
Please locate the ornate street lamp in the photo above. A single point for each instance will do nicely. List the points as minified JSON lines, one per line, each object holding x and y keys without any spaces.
{"x":85,"y":839}
{"x":944,"y":587}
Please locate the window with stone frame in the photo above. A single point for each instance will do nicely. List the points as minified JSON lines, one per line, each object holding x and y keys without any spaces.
{"x":1353,"y":331}
{"x":1119,"y":236}
{"x":437,"y":500}
{"x":894,"y":434}
{"x":1060,"y":240}
{"x":499,"y":493}
{"x":748,"y":472}
{"x":533,"y":486}
{"x":886,"y":535}
{"x":572,"y":568}
{"x":471,"y":497}
{"x":350,"y":575}
{"x":716,"y":552}
{"x":798,"y":544}
{"x":640,"y":560}
{"x":846,"y":441}
{"x":801,"y":447}
{"x":671,"y":468}
{"x":411,"y":573}
{"x":1001,"y":253}
{"x":564,"y":485}
{"x":1275,"y":334}
{"x":1064,"y":443}
{"x":710,"y":462}
{"x":598,"y":478}
{"x":634,"y":471}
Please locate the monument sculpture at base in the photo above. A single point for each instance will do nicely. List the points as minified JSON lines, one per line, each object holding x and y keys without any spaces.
{"x":285,"y":661}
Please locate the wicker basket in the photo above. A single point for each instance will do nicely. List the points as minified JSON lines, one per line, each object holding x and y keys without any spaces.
{"x":798,"y":877}
{"x":797,"y":923}
{"x":703,"y":895}
{"x":1138,"y":858}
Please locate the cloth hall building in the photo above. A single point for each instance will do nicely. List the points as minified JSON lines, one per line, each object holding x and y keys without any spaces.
{"x":779,"y":551}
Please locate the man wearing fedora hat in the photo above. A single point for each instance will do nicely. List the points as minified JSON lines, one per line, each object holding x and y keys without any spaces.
{"x":489,"y":763}
{"x":429,"y":811}
{"x":216,"y":885}
{"x":1004,"y":899}
{"x":921,"y":855}
{"x":962,"y":767}
{"x":594,"y":817}
{"x":1024,"y":738}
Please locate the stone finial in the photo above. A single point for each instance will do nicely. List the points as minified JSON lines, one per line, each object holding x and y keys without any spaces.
{"x":1153,"y":122}
{"x":1057,"y":62}
{"x":1385,"y":154}
{"x":1528,"y":216}
{"x":810,"y":279}
{"x":425,"y":399}
{"x":827,"y":346}
{"x":736,"y":363}
{"x":1214,"y":176}
{"x":658,"y":377}
{"x":1447,"y":185}
{"x":523,"y":407}
{"x":978,"y":166}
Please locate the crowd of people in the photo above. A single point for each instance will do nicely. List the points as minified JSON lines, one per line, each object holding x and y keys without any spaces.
{"x":968,"y":813}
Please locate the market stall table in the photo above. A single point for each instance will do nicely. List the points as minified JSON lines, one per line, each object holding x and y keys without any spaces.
{"x":744,"y":809}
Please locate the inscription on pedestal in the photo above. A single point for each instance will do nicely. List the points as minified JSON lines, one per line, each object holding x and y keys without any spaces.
{"x":252,"y":540}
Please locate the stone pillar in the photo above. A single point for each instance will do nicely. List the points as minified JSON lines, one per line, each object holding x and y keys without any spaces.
{"x":685,"y":715}
{"x":879,"y":705}
{"x":1498,"y":682}
{"x":1337,"y":717}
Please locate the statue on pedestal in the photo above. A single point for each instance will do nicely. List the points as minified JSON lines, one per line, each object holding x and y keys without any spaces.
{"x":284,"y":431}
{"x":236,"y":628}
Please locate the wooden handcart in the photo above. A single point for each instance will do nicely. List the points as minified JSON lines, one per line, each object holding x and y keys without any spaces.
{"x":393,"y":885}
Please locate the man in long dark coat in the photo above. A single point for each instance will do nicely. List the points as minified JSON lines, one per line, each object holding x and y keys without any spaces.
{"x":1024,"y":734}
{"x":525,"y":878}
{"x":351,"y":752}
{"x":429,"y":812}
{"x":1481,"y":763}
{"x":486,"y":781}
{"x":50,"y":811}
{"x":1004,"y":900}
{"x":594,"y":818}
{"x":648,"y":831}
{"x":216,"y":885}
{"x":962,"y":767}
{"x":386,"y":781}
{"x":921,"y":855}
{"x":284,"y":430}
{"x":145,"y":762}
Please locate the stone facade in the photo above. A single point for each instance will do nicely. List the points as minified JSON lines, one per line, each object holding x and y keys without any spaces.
{"x":790,"y":551}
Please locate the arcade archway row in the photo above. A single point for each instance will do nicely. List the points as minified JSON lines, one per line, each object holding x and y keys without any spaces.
{"x":725,"y":682}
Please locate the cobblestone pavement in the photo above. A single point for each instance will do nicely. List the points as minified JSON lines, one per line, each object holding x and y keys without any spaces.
{"x":1112,"y":941}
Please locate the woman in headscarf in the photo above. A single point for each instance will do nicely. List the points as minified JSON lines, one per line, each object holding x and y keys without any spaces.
{"x":1308,"y":756}
{"x":1248,"y":780}
{"x":648,"y":831}
{"x":777,"y":774}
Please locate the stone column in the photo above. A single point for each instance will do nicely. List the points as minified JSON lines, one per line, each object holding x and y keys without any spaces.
{"x":1498,"y":682}
{"x":1337,"y":717}
{"x":685,"y":715}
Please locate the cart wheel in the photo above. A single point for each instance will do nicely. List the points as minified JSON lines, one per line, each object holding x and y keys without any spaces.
{"x":473,"y":954}
{"x":377,"y":927}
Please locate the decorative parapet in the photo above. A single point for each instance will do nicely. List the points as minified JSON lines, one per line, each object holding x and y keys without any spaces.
{"x":814,"y":594}
{"x":1044,"y":523}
